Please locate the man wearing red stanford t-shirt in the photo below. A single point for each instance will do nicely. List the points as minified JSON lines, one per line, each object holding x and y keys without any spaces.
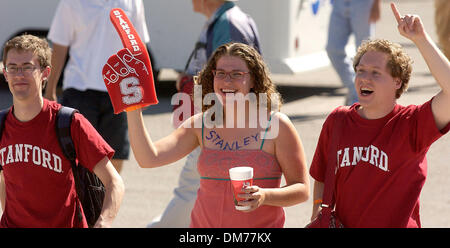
{"x":381,"y":152}
{"x":37,"y":188}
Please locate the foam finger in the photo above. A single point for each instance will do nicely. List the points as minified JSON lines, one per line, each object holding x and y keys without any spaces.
{"x":127,"y":32}
{"x":128,"y":74}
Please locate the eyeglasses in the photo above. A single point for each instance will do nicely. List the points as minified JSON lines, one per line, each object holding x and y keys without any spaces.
{"x":28,"y":69}
{"x":234,"y":75}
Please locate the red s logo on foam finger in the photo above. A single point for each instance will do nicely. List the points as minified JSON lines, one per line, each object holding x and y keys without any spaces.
{"x":128,"y":74}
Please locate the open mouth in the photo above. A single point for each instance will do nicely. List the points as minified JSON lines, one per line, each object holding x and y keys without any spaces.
{"x":366,"y":91}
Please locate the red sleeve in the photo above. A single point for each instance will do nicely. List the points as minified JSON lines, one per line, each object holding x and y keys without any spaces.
{"x":425,"y":126}
{"x":89,"y":145}
{"x":320,"y":159}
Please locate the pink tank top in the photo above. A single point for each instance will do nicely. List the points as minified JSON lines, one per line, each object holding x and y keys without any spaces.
{"x":214,"y":206}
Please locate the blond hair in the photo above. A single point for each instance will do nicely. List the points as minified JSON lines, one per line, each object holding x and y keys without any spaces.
{"x":399,"y":63}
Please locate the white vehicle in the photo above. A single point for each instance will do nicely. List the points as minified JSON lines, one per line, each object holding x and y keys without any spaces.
{"x":293,"y":32}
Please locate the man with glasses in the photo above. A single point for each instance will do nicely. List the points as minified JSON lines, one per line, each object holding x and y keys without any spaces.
{"x":37,"y":187}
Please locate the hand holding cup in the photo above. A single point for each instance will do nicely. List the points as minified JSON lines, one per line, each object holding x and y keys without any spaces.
{"x":241,"y":177}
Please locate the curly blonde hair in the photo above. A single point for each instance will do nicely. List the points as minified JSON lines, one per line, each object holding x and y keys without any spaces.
{"x":399,"y":63}
{"x":259,"y":72}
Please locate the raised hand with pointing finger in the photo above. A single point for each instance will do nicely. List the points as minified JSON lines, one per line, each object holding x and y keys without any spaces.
{"x":409,"y":26}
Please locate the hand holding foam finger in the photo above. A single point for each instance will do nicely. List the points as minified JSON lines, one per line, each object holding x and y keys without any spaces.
{"x":128,"y":74}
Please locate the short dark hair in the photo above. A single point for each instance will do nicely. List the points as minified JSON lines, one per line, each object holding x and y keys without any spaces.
{"x":28,"y":42}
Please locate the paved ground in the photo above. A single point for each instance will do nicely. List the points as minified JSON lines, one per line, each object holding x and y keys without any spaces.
{"x":308,"y":97}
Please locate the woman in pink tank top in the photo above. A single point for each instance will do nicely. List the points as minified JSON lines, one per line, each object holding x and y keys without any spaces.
{"x":239,"y":126}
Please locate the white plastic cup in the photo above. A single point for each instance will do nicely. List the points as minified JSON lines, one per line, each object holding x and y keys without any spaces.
{"x":240,"y":177}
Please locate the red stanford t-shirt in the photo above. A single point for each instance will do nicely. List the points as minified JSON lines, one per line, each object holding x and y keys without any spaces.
{"x":40,"y":190}
{"x":381,"y":165}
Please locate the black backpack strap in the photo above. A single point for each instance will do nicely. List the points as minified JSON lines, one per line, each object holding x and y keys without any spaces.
{"x":3,"y":114}
{"x":63,"y":122}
